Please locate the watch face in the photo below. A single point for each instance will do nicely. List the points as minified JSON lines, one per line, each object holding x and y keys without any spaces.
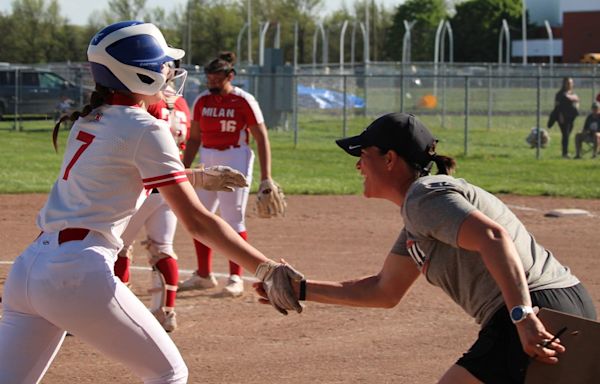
{"x":517,"y":313}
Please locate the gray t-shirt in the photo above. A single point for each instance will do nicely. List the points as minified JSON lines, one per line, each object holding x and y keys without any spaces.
{"x":433,"y":212}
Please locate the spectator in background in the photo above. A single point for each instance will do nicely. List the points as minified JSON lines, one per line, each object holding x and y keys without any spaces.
{"x":590,"y":132}
{"x":566,"y":104}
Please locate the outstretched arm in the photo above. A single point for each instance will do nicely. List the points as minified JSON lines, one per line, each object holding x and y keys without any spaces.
{"x":214,"y":231}
{"x":383,"y":290}
{"x":217,"y":234}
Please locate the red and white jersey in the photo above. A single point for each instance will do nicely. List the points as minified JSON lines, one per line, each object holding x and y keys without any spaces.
{"x":178,"y":119}
{"x":112,"y":155}
{"x":224,"y":119}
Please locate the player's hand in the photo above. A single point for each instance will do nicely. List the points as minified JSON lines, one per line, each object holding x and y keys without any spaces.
{"x":216,"y":178}
{"x":535,"y":340}
{"x":276,"y":286}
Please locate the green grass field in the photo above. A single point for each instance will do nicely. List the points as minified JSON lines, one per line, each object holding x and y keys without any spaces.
{"x":497,"y":159}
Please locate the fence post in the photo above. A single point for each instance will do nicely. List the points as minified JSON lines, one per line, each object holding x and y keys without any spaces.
{"x":402,"y":90}
{"x":295,"y":109}
{"x":538,"y":112}
{"x":489,"y":119}
{"x":445,"y":72}
{"x":17,"y":123}
{"x":345,"y":110}
{"x":466,"y":144}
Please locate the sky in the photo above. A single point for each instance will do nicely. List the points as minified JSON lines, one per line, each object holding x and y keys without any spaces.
{"x":78,"y":11}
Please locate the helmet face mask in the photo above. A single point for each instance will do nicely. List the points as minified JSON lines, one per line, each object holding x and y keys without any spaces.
{"x":175,"y":82}
{"x":130,"y":56}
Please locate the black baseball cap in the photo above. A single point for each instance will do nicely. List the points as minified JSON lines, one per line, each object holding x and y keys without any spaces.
{"x":401,"y":132}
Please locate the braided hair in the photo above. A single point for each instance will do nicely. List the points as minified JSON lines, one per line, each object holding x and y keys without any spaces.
{"x":98,"y":98}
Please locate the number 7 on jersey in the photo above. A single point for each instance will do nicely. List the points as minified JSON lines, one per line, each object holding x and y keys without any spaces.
{"x":87,"y":139}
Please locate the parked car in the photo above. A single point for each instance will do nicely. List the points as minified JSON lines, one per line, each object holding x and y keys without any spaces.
{"x":39,"y":92}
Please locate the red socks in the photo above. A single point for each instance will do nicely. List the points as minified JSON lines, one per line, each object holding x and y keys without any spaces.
{"x":204,"y":259}
{"x":168,"y":268}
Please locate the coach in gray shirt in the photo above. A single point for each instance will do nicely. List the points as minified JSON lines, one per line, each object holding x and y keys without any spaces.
{"x":463,"y":240}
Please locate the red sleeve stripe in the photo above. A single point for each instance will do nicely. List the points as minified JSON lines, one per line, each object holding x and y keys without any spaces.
{"x":163,"y":177}
{"x":155,"y":182}
{"x":168,"y":182}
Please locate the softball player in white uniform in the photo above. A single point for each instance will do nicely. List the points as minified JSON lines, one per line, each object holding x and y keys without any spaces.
{"x":115,"y":153}
{"x":223,"y":117}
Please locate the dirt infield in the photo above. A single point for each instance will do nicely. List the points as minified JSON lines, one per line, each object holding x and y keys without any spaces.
{"x":326,"y":237}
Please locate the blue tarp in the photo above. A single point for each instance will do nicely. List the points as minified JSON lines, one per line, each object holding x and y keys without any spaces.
{"x":321,"y":98}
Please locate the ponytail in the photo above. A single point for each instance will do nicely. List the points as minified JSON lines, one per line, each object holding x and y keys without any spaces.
{"x":446,"y":165}
{"x":98,"y":97}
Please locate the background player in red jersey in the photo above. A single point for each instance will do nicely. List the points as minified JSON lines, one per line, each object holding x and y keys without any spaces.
{"x":222,"y":119}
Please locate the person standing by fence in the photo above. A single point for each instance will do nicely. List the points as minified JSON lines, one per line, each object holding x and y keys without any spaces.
{"x":566,"y":106}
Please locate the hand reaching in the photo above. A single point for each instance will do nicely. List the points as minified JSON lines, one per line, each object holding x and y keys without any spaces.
{"x":276,"y":286}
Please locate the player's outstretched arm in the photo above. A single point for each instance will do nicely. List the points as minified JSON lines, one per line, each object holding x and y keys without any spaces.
{"x":383,"y":290}
{"x":216,"y":233}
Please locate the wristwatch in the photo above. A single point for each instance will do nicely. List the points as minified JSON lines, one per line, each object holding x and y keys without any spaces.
{"x":519,"y":313}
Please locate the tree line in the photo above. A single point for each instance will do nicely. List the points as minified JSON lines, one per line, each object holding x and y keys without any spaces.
{"x":35,"y":31}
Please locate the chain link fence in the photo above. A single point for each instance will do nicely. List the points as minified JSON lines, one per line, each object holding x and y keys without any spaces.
{"x":447,"y":96}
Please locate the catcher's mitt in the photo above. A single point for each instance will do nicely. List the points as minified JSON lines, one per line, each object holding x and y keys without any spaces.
{"x":270,"y":200}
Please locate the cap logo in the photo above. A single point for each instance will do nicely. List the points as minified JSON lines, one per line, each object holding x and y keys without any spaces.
{"x":351,"y":147}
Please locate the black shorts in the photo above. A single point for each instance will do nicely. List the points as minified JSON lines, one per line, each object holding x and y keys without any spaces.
{"x":497,"y":356}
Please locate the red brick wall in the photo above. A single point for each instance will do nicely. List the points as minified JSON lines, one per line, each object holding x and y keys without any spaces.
{"x":581,"y":35}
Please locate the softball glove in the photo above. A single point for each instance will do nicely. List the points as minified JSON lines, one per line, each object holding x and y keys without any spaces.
{"x":270,"y":200}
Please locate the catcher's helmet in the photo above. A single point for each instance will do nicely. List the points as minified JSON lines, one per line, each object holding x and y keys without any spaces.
{"x":129,"y":55}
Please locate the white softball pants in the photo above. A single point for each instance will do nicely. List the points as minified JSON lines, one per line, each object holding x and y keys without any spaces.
{"x":231,"y":205}
{"x":158,"y":219}
{"x":54,"y":288}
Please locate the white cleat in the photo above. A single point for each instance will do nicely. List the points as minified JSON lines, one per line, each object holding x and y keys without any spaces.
{"x":197,"y":282}
{"x":168,"y":320}
{"x":234,"y":287}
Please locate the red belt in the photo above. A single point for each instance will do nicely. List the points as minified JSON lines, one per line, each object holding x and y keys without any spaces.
{"x":224,"y":147}
{"x":72,"y":234}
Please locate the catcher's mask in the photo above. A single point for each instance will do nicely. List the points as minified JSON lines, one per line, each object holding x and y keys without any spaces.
{"x":401,"y":132}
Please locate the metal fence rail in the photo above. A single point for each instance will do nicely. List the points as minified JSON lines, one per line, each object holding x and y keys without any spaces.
{"x":449,"y":95}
